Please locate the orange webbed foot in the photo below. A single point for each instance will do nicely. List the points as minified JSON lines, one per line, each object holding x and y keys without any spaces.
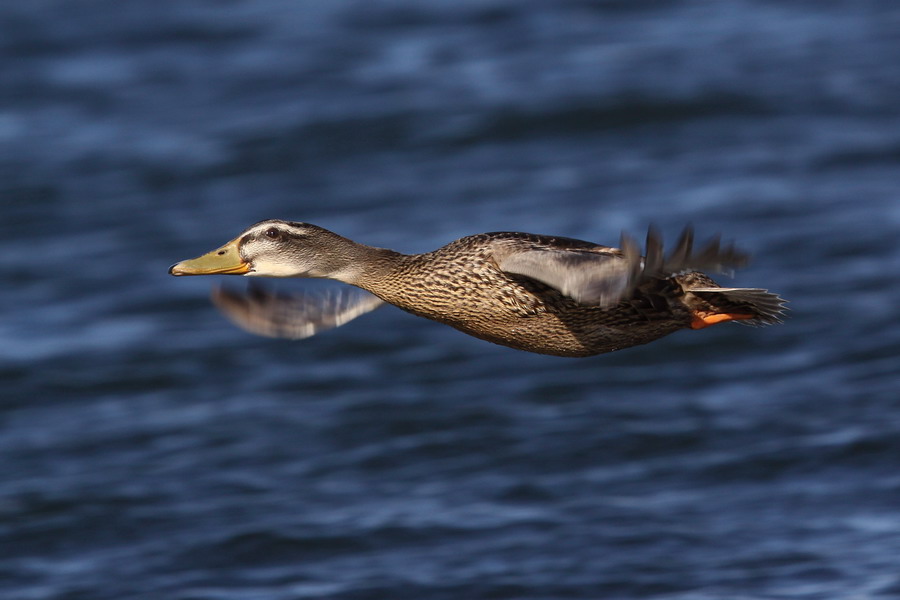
{"x":702,"y":319}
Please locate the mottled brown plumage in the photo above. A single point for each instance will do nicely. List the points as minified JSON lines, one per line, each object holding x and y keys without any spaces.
{"x":551,"y":295}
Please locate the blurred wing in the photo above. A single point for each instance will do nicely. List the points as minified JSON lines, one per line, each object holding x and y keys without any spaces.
{"x":292,"y":316}
{"x":713,"y":257}
{"x":591,"y":278}
{"x":605,"y":276}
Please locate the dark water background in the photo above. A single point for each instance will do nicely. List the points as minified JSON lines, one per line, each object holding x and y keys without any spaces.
{"x":150,"y":450}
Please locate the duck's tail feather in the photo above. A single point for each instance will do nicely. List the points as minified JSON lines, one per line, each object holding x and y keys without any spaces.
{"x":755,"y":305}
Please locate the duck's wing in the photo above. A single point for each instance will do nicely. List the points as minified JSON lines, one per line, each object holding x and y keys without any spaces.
{"x":588,"y":277}
{"x":603,"y":276}
{"x":293,"y":316}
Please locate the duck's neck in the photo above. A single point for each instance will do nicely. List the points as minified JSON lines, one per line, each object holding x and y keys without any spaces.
{"x":366,"y":267}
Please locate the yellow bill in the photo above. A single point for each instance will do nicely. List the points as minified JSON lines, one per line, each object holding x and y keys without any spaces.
{"x":226,"y":261}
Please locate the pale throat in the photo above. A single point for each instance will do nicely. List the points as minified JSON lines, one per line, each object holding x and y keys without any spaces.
{"x":263,"y":267}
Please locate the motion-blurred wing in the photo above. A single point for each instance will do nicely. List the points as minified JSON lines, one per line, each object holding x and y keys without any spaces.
{"x":293,"y":316}
{"x":590,"y":278}
{"x":605,"y":276}
{"x":713,"y":257}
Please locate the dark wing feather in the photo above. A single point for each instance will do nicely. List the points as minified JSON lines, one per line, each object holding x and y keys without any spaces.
{"x":294,"y":316}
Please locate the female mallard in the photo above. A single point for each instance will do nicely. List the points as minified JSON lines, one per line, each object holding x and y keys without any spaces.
{"x":545,"y":294}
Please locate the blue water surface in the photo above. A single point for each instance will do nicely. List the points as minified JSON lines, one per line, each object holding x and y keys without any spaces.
{"x":150,"y":450}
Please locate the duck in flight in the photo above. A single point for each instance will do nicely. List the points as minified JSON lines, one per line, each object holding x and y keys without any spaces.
{"x":538,"y":293}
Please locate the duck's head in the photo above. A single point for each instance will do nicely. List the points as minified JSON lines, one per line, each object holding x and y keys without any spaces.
{"x":274,"y":248}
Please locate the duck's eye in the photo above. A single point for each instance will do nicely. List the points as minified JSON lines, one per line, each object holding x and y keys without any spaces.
{"x":272,"y":233}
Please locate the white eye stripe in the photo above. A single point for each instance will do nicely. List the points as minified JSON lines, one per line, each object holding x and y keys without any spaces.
{"x":285,"y":229}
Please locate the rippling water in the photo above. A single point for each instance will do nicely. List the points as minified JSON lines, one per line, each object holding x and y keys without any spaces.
{"x":150,"y":450}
